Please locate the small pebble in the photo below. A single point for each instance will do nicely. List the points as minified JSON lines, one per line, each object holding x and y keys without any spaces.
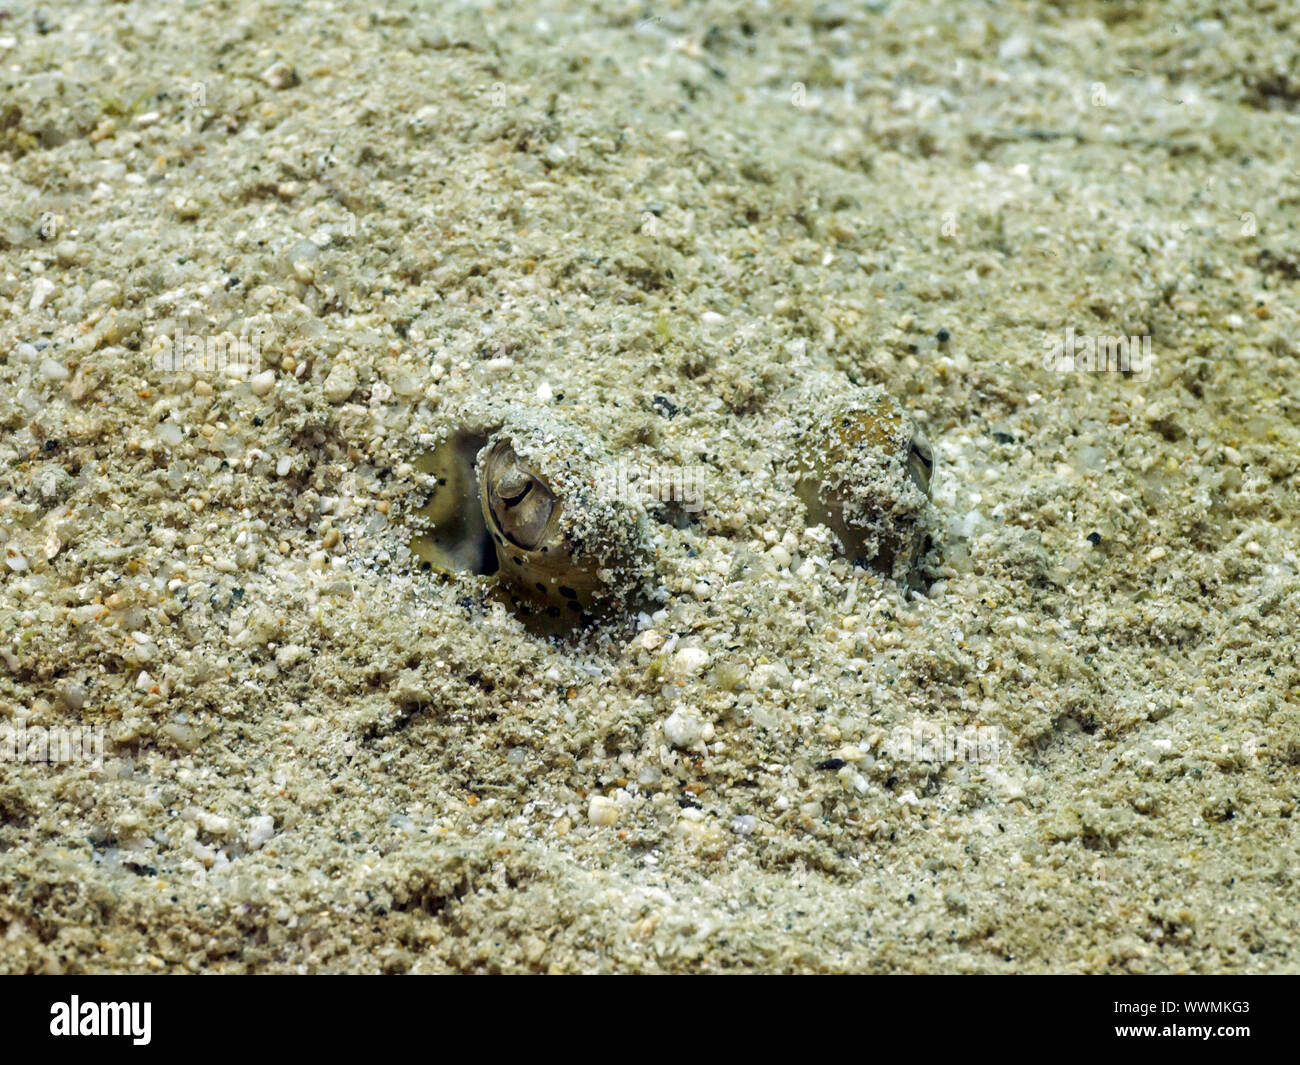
{"x":280,"y":75}
{"x":104,"y":292}
{"x":602,"y":811}
{"x":260,"y":829}
{"x":340,"y":384}
{"x":1014,"y":47}
{"x":42,"y":289}
{"x":73,"y":695}
{"x":690,"y":661}
{"x":683,"y":729}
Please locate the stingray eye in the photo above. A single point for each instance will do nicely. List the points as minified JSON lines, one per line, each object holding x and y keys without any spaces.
{"x":523,"y":497}
{"x":519,"y":502}
{"x":920,"y":462}
{"x":563,"y":548}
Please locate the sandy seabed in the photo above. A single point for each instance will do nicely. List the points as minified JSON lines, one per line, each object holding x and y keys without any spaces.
{"x":299,"y":751}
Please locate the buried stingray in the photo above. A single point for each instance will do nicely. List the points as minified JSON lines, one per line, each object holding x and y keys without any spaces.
{"x":527,"y":500}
